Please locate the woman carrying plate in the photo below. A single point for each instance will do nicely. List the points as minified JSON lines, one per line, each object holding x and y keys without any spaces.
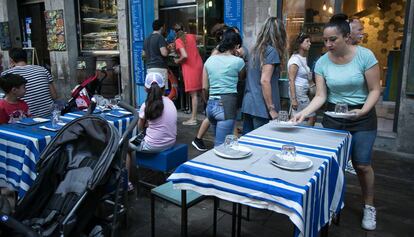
{"x":350,"y":74}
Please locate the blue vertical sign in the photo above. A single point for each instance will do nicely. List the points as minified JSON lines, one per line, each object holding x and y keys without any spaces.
{"x":233,"y":14}
{"x":137,"y":32}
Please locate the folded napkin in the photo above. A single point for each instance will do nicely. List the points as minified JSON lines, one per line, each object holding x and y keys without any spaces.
{"x":299,"y":163}
{"x":231,"y":152}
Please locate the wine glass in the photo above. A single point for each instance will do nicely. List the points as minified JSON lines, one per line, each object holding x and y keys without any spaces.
{"x":283,"y":116}
{"x":289,"y":152}
{"x":341,"y":108}
{"x":231,"y":142}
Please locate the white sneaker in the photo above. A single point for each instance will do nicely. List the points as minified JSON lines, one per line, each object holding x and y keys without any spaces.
{"x":350,"y":168}
{"x":369,"y":220}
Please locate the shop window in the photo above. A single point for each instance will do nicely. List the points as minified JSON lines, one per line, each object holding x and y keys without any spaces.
{"x":98,"y":23}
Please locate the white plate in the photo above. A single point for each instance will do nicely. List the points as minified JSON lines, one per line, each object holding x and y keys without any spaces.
{"x":298,"y":159}
{"x":339,"y":115}
{"x":32,"y":121}
{"x":284,"y":124}
{"x":241,"y":148}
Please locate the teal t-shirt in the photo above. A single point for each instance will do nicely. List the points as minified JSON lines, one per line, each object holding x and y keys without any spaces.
{"x":223,"y":73}
{"x":346,"y":82}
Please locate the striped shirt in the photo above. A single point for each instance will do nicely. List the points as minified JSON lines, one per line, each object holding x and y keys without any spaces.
{"x":37,"y":95}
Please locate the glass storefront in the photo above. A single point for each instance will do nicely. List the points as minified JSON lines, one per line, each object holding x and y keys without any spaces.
{"x":197,"y":16}
{"x":98,"y":24}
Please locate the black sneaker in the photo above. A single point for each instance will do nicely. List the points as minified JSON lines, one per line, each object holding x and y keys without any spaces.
{"x":199,"y":144}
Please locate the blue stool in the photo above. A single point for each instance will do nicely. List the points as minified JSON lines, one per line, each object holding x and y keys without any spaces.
{"x":181,"y":198}
{"x":164,"y":161}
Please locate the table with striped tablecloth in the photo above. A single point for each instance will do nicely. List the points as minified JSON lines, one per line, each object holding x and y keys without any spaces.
{"x":21,"y":146}
{"x":308,"y":198}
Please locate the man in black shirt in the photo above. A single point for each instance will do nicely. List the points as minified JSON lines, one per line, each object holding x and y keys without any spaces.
{"x":155,"y":50}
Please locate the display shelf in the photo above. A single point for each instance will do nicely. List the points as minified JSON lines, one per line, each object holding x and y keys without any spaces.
{"x":98,"y":24}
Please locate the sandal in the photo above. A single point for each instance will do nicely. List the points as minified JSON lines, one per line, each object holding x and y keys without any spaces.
{"x":190,"y":122}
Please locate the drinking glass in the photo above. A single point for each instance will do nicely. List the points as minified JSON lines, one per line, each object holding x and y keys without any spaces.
{"x":283,"y":116}
{"x":231,"y":142}
{"x":55,"y":118}
{"x":55,"y":111}
{"x":289,"y":152}
{"x":341,"y":108}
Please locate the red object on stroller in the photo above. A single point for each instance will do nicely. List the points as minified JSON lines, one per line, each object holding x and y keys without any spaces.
{"x":81,"y":94}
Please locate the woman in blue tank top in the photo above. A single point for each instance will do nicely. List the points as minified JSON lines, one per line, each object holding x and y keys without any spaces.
{"x":349,"y":74}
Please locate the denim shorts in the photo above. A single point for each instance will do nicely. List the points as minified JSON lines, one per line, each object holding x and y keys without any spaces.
{"x":221,"y":127}
{"x":362,"y":143}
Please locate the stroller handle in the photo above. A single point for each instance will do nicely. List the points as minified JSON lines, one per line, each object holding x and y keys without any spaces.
{"x":132,"y":124}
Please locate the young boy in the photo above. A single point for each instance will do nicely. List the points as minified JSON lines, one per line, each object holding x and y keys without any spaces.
{"x":12,"y":108}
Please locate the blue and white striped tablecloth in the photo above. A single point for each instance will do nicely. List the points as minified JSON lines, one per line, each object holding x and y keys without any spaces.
{"x":21,"y":146}
{"x":307,"y":197}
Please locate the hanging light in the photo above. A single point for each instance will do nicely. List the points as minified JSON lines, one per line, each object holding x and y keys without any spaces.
{"x":324,"y":6}
{"x":210,"y":3}
{"x":330,"y":10}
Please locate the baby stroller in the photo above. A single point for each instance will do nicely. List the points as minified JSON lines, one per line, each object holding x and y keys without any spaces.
{"x":78,"y":172}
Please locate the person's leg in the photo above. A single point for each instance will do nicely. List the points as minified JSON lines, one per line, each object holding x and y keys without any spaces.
{"x":203,"y":128}
{"x":194,"y":105}
{"x":362,"y":142}
{"x":259,"y":121}
{"x":247,"y":123}
{"x":211,"y":112}
{"x":224,"y":128}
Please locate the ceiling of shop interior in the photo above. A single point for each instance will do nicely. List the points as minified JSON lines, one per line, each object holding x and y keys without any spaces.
{"x":361,"y":8}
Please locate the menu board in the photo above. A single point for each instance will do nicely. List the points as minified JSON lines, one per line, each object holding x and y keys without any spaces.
{"x":55,"y":30}
{"x":233,"y":13}
{"x":5,"y":43}
{"x":137,"y":26}
{"x":137,"y":20}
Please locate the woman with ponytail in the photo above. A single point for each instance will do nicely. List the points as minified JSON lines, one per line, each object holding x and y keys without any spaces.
{"x":221,"y":73}
{"x":261,"y":100}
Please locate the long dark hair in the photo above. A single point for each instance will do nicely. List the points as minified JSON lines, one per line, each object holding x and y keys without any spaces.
{"x":154,"y":105}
